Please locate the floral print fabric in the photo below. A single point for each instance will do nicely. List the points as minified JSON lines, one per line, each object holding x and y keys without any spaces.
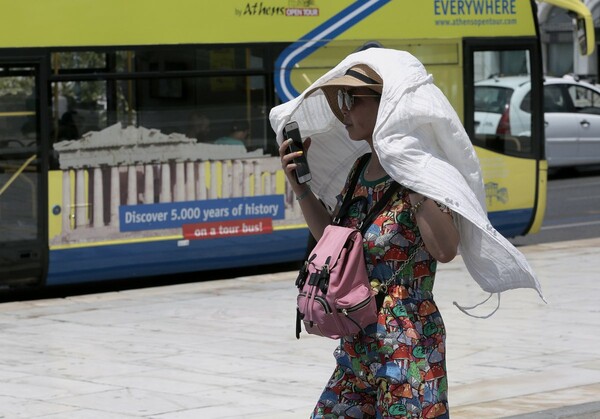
{"x":396,"y":369}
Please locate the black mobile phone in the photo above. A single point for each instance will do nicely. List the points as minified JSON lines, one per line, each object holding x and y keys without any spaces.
{"x":292,"y":131}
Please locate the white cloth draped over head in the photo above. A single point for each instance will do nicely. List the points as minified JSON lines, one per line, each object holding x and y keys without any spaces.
{"x":421,"y":144}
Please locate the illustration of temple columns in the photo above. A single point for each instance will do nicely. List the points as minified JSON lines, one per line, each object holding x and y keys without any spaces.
{"x":212,"y":193}
{"x":165,"y":184}
{"x":115,"y":195}
{"x":179,"y":182}
{"x":190,"y":182}
{"x":148,"y":184}
{"x":140,"y":169}
{"x":131,"y":185}
{"x":201,"y":184}
{"x":226,"y":179}
{"x":98,"y":209}
{"x":257,"y":179}
{"x":81,"y":206}
{"x":237,"y":173}
{"x":247,"y":170}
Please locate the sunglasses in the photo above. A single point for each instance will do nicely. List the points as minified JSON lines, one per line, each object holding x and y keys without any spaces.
{"x":345,"y":98}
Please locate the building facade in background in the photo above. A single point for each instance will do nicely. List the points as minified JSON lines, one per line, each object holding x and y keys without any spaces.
{"x":559,"y":45}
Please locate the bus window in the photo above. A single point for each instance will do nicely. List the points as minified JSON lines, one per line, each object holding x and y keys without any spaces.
{"x":585,"y":100}
{"x":172,"y":90}
{"x":19,"y":169}
{"x":77,"y":107}
{"x":502,"y":82}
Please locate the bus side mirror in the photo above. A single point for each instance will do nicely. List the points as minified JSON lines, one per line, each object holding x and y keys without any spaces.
{"x":585,"y":33}
{"x":583,"y":38}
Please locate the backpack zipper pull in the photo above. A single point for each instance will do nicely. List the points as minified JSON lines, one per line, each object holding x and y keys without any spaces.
{"x":324,"y":276}
{"x":303,"y":273}
{"x":345,"y":313}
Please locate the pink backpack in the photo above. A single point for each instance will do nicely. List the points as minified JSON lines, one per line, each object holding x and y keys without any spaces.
{"x":335,"y":297}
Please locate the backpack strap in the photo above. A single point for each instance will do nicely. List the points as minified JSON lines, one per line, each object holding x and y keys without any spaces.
{"x":362,"y":162}
{"x":374,"y":212}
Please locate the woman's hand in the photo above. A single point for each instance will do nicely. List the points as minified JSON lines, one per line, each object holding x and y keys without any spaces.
{"x":315,"y":213}
{"x":288,"y":165}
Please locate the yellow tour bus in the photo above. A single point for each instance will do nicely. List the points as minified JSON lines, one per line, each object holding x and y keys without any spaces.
{"x":134,"y":136}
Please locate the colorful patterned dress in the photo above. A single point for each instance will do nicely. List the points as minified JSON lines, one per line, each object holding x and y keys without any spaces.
{"x":396,"y":369}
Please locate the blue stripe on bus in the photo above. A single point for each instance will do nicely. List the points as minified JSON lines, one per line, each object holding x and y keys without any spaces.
{"x":87,"y":264}
{"x":513,"y":222}
{"x":319,"y":36}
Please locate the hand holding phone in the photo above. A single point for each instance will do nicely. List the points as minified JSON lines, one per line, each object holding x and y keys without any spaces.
{"x":292,"y":131}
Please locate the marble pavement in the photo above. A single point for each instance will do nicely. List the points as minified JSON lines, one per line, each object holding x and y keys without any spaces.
{"x":226,"y":348}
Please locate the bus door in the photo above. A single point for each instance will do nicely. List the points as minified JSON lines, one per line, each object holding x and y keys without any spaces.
{"x":23,"y":245}
{"x":503,"y":83}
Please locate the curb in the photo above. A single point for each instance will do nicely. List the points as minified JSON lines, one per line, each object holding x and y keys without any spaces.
{"x":580,"y":411}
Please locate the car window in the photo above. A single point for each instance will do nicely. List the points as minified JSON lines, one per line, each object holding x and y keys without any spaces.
{"x":492,"y":99}
{"x":554,"y":100}
{"x":525,"y":105}
{"x":585,"y":100}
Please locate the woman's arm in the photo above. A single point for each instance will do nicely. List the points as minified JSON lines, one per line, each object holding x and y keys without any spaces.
{"x":438,"y":231}
{"x":316,"y":215}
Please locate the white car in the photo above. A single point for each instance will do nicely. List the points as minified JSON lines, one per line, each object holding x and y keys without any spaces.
{"x":571,"y":115}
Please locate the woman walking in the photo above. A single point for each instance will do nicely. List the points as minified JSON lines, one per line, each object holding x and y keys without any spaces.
{"x":387,"y":106}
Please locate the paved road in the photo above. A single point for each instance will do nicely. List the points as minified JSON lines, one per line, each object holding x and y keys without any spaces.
{"x":572,"y":211}
{"x":226,"y":349}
